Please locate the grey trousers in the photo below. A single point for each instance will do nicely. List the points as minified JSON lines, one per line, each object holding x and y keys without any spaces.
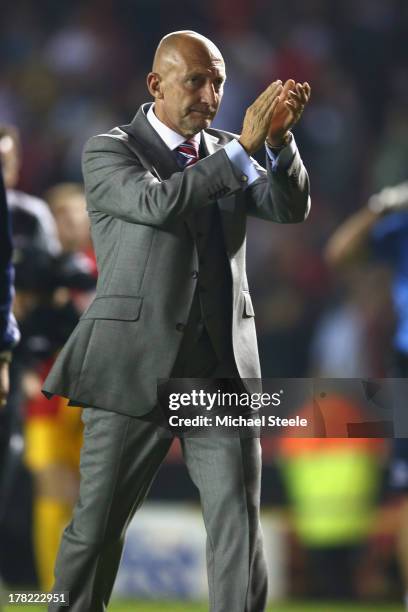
{"x":119,"y":459}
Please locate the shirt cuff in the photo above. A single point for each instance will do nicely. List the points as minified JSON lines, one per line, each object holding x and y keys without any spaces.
{"x":282,"y":158}
{"x":241,"y":160}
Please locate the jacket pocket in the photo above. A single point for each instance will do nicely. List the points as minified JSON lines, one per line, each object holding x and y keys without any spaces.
{"x":248,"y":308}
{"x":116,"y":307}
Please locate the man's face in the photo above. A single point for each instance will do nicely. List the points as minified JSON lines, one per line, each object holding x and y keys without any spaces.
{"x":72,"y":222}
{"x":10,"y":161}
{"x":191,"y":92}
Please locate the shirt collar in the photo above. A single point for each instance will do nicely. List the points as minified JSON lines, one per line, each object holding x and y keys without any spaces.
{"x":171,"y":138}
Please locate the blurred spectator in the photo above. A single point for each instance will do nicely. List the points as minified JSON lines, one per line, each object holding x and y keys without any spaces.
{"x":77,"y":261}
{"x":51,"y":272}
{"x":32,"y":222}
{"x":34,"y":231}
{"x":53,"y":432}
{"x":332,"y":486}
{"x":383,"y":225}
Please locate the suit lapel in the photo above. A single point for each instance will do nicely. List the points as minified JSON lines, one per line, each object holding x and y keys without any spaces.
{"x":152,"y":151}
{"x":150,"y":148}
{"x":210,"y":143}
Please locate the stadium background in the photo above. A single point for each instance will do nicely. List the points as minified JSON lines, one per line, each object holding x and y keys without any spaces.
{"x":72,"y":69}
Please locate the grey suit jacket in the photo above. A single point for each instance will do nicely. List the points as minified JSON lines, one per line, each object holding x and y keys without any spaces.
{"x":140,"y":207}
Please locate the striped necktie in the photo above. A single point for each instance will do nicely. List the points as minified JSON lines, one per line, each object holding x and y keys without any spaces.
{"x":187,"y":153}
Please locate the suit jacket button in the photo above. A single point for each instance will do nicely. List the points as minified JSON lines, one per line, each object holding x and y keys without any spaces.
{"x":180,"y":327}
{"x":194,"y":274}
{"x":244,"y":178}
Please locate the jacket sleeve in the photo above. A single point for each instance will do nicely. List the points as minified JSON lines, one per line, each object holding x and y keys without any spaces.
{"x":9,"y":334}
{"x":117,"y":184}
{"x":280,"y":194}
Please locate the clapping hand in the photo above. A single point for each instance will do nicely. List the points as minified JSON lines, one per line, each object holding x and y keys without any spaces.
{"x":292,"y":101}
{"x":258,"y":117}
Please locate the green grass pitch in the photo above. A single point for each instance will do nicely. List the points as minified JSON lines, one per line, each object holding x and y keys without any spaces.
{"x":137,"y":606}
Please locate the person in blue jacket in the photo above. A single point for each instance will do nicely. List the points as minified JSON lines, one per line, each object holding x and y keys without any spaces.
{"x":9,"y":334}
{"x":383,"y":226}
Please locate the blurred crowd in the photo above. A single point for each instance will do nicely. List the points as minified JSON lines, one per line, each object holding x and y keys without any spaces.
{"x":69,"y":70}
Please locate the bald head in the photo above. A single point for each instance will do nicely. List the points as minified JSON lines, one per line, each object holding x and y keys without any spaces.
{"x":178,"y":45}
{"x":186,"y":81}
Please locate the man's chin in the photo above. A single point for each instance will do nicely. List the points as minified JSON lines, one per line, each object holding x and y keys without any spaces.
{"x":200,"y":124}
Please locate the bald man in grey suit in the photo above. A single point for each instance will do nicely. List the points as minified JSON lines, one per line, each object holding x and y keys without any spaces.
{"x":168,"y":199}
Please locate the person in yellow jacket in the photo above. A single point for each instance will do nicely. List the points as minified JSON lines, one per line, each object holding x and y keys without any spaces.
{"x":332,"y":485}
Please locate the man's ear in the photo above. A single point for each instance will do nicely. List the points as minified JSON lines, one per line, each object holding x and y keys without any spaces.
{"x":154,"y":85}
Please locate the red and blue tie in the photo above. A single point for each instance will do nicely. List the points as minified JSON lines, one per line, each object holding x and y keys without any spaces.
{"x":188,"y":153}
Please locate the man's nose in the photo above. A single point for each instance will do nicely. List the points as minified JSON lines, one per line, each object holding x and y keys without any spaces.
{"x":208,"y":94}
